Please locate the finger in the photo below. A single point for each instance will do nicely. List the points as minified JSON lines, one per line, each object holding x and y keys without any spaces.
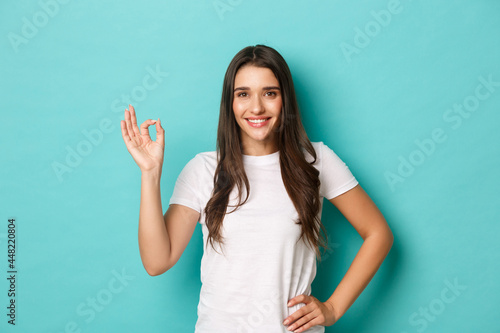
{"x":145,"y":129}
{"x":310,"y":323}
{"x":130,"y":131}
{"x":134,"y":120}
{"x":297,"y":299}
{"x":125,"y":135}
{"x":124,"y":126}
{"x":160,"y":134}
{"x":300,"y":312}
{"x":303,"y":320}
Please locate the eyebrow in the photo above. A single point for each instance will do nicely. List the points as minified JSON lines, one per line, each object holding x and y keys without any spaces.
{"x":264,"y":88}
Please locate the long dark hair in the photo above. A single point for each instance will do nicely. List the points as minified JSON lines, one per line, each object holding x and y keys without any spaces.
{"x":300,"y":177}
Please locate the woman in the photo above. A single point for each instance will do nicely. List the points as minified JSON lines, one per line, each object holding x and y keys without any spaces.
{"x":258,"y":198}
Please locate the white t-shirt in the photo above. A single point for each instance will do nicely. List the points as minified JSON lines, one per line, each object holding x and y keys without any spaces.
{"x":247,"y":289}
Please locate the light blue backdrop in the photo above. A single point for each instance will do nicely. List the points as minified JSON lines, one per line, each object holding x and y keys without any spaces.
{"x":406,"y":92}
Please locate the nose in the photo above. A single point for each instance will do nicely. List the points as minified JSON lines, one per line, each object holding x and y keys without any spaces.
{"x":256,"y":105}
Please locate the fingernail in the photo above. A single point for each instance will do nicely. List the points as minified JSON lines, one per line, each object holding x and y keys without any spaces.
{"x":285,"y":322}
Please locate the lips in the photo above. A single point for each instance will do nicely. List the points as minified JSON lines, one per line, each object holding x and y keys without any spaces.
{"x":257,"y":121}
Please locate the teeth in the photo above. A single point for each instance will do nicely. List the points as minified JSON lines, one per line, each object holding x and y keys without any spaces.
{"x":256,"y":121}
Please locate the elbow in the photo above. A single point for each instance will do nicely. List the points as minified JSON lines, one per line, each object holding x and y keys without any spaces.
{"x":390,"y":235}
{"x":155,"y":271}
{"x":384,"y":237}
{"x":389,"y":239}
{"x":386,"y":234}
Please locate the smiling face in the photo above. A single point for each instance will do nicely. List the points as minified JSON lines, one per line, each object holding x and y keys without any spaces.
{"x":257,"y":107}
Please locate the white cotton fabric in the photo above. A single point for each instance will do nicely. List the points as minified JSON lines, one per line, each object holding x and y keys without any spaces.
{"x":247,"y":288}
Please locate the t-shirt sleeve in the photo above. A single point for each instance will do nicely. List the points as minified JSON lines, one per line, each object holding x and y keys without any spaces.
{"x":335,"y":176}
{"x":186,"y":190}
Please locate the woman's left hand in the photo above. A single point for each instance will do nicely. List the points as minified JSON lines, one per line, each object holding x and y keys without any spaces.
{"x":312,"y":314}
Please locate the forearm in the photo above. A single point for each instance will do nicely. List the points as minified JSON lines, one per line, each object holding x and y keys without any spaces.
{"x":154,"y":243}
{"x":364,"y":266}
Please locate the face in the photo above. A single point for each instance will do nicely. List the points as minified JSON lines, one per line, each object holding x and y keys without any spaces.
{"x":257,"y":107}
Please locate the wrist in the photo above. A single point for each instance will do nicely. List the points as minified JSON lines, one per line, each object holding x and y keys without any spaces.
{"x":335,"y":309}
{"x":151,"y":175}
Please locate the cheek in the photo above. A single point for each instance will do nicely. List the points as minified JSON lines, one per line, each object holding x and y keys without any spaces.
{"x":277,"y":106}
{"x":237,"y":108}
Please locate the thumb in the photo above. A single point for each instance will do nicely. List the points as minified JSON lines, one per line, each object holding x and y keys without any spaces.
{"x":160,"y":134}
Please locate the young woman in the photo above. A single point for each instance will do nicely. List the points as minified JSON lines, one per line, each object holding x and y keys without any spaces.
{"x":258,"y":198}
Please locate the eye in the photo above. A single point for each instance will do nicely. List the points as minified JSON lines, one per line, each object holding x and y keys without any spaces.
{"x":273,"y":93}
{"x":241,"y":94}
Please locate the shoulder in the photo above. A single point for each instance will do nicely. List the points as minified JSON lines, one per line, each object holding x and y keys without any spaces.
{"x":325,"y":156}
{"x":207,"y":156}
{"x":335,"y":176}
{"x":318,"y":148}
{"x":204,"y":160}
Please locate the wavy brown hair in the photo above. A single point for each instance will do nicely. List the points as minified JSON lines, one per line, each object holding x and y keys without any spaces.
{"x":301,"y":178}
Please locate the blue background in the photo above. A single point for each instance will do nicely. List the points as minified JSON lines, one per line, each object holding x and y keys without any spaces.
{"x":369,"y":86}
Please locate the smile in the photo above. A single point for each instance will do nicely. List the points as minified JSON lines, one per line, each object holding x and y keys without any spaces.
{"x":257,"y":122}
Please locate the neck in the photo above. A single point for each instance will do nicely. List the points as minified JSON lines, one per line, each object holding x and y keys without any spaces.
{"x":260,"y":149}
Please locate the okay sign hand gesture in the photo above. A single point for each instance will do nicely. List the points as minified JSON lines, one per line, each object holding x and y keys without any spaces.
{"x":147,"y":154}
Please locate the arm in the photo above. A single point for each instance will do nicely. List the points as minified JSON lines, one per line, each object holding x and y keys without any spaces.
{"x":162,"y":239}
{"x":369,"y":222}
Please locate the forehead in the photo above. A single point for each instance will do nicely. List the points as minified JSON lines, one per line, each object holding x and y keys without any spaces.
{"x":252,"y":76}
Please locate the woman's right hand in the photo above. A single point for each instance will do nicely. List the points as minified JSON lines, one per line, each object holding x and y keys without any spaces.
{"x":147,"y":154}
